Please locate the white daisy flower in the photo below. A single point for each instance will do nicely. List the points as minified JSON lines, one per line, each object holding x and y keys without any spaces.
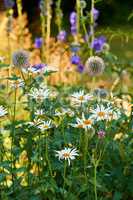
{"x":78,"y":124}
{"x":100,"y":113}
{"x":67,"y":154}
{"x":80,"y":97}
{"x":45,"y":125}
{"x":114,"y":114}
{"x":85,"y":123}
{"x":39,"y":94}
{"x":3,"y":111}
{"x":39,"y":112}
{"x":64,"y":111}
{"x":35,"y":122}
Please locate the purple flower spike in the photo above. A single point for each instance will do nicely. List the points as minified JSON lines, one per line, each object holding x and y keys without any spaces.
{"x":9,"y":3}
{"x":62,"y":36}
{"x":75,"y":60}
{"x":95,"y":13}
{"x":80,"y":68}
{"x":38,"y":43}
{"x":98,"y":43}
{"x":73,"y":18}
{"x":73,"y":30}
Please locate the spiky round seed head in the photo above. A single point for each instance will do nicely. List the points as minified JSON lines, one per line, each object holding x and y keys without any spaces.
{"x":95,"y":66}
{"x":20,"y":58}
{"x":100,"y":92}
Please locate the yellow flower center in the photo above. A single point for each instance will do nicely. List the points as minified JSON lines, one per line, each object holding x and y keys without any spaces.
{"x":66,"y":155}
{"x":80,"y":126}
{"x":45,"y":126}
{"x":81,"y":98}
{"x":39,"y":97}
{"x":101,"y":114}
{"x":87,"y":122}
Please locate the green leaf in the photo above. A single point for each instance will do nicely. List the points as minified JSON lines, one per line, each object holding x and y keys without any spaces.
{"x":117,"y":196}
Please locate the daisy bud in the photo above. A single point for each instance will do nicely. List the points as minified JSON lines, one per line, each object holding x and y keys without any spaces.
{"x":20,"y":58}
{"x":95,"y":65}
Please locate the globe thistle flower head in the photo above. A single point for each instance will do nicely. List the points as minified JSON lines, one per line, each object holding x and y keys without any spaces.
{"x":95,"y":66}
{"x":38,"y":43}
{"x":73,"y":18}
{"x":62,"y":36}
{"x":98,"y":43}
{"x":95,"y":13}
{"x":100,"y":92}
{"x":9,"y":4}
{"x":20,"y":59}
{"x":75,"y":59}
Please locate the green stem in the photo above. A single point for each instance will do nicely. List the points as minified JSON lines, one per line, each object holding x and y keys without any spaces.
{"x":92,"y":25}
{"x":13,"y":135}
{"x":85,"y":152}
{"x":78,"y":17}
{"x":95,"y":181}
{"x":64,"y":174}
{"x":47,"y":158}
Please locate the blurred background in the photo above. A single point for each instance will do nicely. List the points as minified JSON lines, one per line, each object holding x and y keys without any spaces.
{"x":115,"y":16}
{"x":112,"y":12}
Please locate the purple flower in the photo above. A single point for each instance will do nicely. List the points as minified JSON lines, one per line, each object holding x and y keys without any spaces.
{"x":38,"y":43}
{"x":73,"y":18}
{"x":9,"y":3}
{"x":73,"y":30}
{"x":80,"y":68}
{"x":75,"y":59}
{"x":75,"y":47}
{"x":62,"y":36}
{"x":98,"y":43}
{"x":38,"y":67}
{"x":101,"y":134}
{"x":95,"y":13}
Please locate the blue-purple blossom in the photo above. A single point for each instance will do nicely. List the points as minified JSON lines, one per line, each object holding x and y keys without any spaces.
{"x":73,"y":30}
{"x":9,"y":3}
{"x":98,"y":43}
{"x":75,"y":59}
{"x":95,"y":13}
{"x":62,"y":36}
{"x":73,"y":18}
{"x":80,"y":68}
{"x":38,"y":67}
{"x":75,"y":47}
{"x":38,"y":43}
